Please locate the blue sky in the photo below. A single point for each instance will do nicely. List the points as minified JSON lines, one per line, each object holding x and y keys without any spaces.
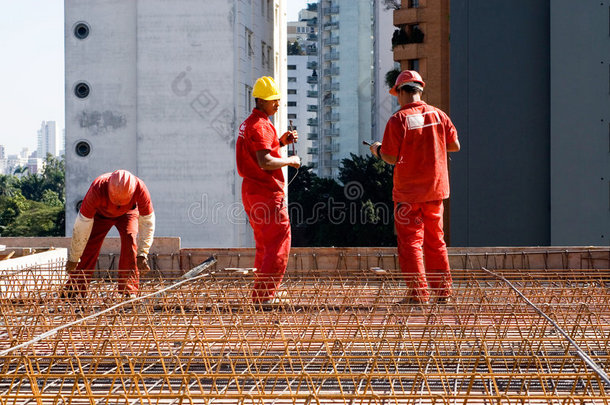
{"x":31,"y":71}
{"x":32,"y":68}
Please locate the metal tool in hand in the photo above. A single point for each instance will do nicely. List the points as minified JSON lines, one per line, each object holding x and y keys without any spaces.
{"x":294,"y":150}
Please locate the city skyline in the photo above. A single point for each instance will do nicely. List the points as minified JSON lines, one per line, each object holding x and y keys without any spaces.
{"x":32,"y":73}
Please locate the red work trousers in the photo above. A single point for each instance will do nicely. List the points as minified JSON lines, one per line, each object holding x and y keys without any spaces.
{"x":421,"y":225}
{"x":268,"y":216}
{"x":129,"y":277}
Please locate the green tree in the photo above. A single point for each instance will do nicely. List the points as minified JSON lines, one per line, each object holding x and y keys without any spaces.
{"x":38,"y":219}
{"x":34,"y":205}
{"x":356,"y":211}
{"x":294,"y":48}
{"x":9,"y":185}
{"x":390,"y":77}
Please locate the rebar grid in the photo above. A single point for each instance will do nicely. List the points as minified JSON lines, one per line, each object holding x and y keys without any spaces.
{"x":345,"y":337}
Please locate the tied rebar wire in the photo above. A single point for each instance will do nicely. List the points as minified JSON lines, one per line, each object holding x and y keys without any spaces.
{"x":343,"y":336}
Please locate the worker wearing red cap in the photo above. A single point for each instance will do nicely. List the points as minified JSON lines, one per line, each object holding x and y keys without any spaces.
{"x":260,"y":163}
{"x":416,"y":140}
{"x":117,"y":199}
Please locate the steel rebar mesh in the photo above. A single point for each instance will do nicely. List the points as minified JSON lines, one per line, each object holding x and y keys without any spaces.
{"x":344,"y":338}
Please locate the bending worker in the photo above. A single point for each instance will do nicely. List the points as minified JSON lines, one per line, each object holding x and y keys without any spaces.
{"x":416,"y":140}
{"x":260,"y":163}
{"x":114,"y":199}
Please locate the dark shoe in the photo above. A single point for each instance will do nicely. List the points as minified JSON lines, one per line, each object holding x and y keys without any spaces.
{"x":444,"y":300}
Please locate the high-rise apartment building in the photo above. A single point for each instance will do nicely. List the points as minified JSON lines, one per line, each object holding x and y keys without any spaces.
{"x":160,"y":88}
{"x":48,"y":140}
{"x":302,"y":80}
{"x":348,"y":110}
{"x":421,"y":43}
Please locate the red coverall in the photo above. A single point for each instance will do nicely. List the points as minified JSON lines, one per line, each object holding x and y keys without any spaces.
{"x":97,"y":205}
{"x":418,"y":134}
{"x":264,"y":202}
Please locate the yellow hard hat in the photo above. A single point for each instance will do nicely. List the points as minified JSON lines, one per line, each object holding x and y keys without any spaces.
{"x":266,"y":89}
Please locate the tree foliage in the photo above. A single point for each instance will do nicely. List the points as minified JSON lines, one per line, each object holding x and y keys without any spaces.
{"x":294,"y":48}
{"x":357,"y":210}
{"x":34,"y":205}
{"x":390,"y":77}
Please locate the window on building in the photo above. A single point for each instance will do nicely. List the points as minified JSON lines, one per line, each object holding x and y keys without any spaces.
{"x":292,"y":116}
{"x":249,"y":42}
{"x":413,"y":4}
{"x":263,"y":8}
{"x":413,"y":64}
{"x":292,"y":104}
{"x":269,"y":53}
{"x":292,"y":67}
{"x":292,"y":91}
{"x":292,"y":80}
{"x":263,"y":56}
{"x":269,"y":9}
{"x":248,"y":99}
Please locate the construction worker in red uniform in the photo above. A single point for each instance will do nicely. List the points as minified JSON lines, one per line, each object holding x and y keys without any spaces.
{"x":416,"y":140}
{"x":117,"y":199}
{"x":260,"y":163}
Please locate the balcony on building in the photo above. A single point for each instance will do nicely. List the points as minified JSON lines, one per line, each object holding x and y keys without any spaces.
{"x":312,"y":22}
{"x":311,"y":50}
{"x":312,"y":94}
{"x":312,"y":122}
{"x":331,"y":101}
{"x":312,"y":37}
{"x":331,"y":162}
{"x":331,"y":10}
{"x":312,"y":79}
{"x":408,"y":34}
{"x":408,"y":51}
{"x":331,"y":86}
{"x":331,"y":55}
{"x":312,"y":136}
{"x":332,"y":117}
{"x":312,"y":151}
{"x":312,"y":64}
{"x":331,"y":25}
{"x":328,"y":131}
{"x":312,"y":108}
{"x":332,"y":148}
{"x":333,"y":71}
{"x":331,"y":41}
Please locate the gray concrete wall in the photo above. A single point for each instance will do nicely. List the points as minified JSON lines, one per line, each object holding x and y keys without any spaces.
{"x":167,"y":94}
{"x":580,"y":122}
{"x":500,"y":105}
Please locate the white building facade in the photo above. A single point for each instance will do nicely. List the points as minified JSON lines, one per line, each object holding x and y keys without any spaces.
{"x":302,"y":72}
{"x":49,"y":142}
{"x":160,"y":89}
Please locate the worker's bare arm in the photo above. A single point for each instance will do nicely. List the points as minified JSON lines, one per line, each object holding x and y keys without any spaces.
{"x":376,"y":151}
{"x":453,"y":146}
{"x":268,"y":162}
{"x":389,"y":158}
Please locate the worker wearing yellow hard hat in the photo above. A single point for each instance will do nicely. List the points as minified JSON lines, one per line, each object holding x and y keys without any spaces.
{"x":266,"y":89}
{"x":260,"y":162}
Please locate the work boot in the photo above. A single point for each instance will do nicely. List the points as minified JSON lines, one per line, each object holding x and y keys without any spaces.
{"x":444,"y":300}
{"x":278,"y":300}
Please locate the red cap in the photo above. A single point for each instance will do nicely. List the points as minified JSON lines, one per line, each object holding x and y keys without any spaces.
{"x":121,"y":187}
{"x":407,"y":76}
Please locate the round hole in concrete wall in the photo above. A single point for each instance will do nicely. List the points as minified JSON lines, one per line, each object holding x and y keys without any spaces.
{"x":81,"y":30}
{"x":81,"y":90}
{"x":77,"y":206}
{"x":82,"y":148}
